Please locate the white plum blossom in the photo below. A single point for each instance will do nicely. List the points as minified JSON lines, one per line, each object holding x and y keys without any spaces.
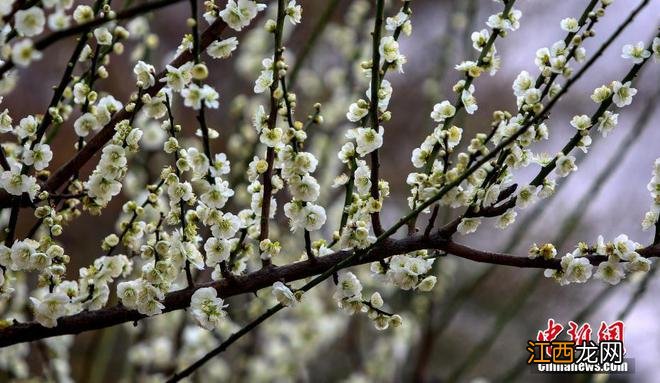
{"x":442,"y":111}
{"x":49,"y":308}
{"x":178,"y":78}
{"x":622,"y":93}
{"x":293,"y":12}
{"x":39,"y":156}
{"x":239,"y":13}
{"x":23,"y":53}
{"x":207,"y":308}
{"x":389,"y":49}
{"x":610,"y":272}
{"x":581,"y":122}
{"x":468,"y":225}
{"x":103,"y":36}
{"x":607,"y":122}
{"x":30,"y":22}
{"x":367,"y":139}
{"x":283,"y":294}
{"x":565,"y":165}
{"x":145,"y":74}
{"x":637,"y":52}
{"x":570,"y":24}
{"x":221,"y":49}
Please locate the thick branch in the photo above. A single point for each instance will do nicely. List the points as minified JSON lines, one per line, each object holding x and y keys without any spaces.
{"x":253,"y":282}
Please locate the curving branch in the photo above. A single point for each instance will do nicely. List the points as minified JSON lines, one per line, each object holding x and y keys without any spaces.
{"x":263,"y":278}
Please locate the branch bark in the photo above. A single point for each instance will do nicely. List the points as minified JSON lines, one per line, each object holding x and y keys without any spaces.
{"x":263,"y":278}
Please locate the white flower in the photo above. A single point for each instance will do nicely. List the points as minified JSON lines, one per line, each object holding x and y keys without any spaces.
{"x":636,"y":52}
{"x":304,"y":188}
{"x":610,"y":272}
{"x":145,"y":74}
{"x":207,"y":308}
{"x":506,"y":219}
{"x":283,"y":294}
{"x":49,"y":308}
{"x":601,"y":94}
{"x":103,"y":36}
{"x":23,"y":53}
{"x":5,"y":122}
{"x":271,"y":137}
{"x":22,"y":254}
{"x":217,"y":250}
{"x":27,"y":127}
{"x":468,"y":225}
{"x":221,"y":49}
{"x":384,"y":94}
{"x":265,"y":79}
{"x":293,"y":12}
{"x":471,"y":68}
{"x":313,"y":217}
{"x":348,"y":286}
{"x":427,"y":283}
{"x":469,"y":101}
{"x":565,"y":165}
{"x":127,"y":292}
{"x":220,"y":165}
{"x":581,"y":122}
{"x":210,"y":97}
{"x":570,"y":24}
{"x":578,"y":271}
{"x":39,"y":156}
{"x":16,"y":184}
{"x":623,"y":93}
{"x":623,"y":246}
{"x":637,"y":263}
{"x":522,"y":83}
{"x":526,"y":196}
{"x":511,"y":22}
{"x":491,"y":195}
{"x":357,"y":111}
{"x":367,"y":139}
{"x":389,"y":49}
{"x":86,"y":124}
{"x":607,"y":122}
{"x":178,"y":78}
{"x":650,"y":219}
{"x":83,"y":14}
{"x":442,"y":111}
{"x":58,"y":20}
{"x":30,"y":22}
{"x":479,"y":39}
{"x":238,"y":13}
{"x":454,"y":135}
{"x":226,"y":226}
{"x":392,"y":23}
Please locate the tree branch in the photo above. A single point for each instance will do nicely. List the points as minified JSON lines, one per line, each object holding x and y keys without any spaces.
{"x":263,"y":278}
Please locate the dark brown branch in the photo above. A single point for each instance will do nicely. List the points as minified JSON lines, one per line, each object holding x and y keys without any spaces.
{"x":111,"y":316}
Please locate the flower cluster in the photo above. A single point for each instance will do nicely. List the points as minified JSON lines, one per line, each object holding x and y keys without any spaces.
{"x":349,"y":298}
{"x":408,"y":271}
{"x":576,"y":267}
{"x":651,"y":216}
